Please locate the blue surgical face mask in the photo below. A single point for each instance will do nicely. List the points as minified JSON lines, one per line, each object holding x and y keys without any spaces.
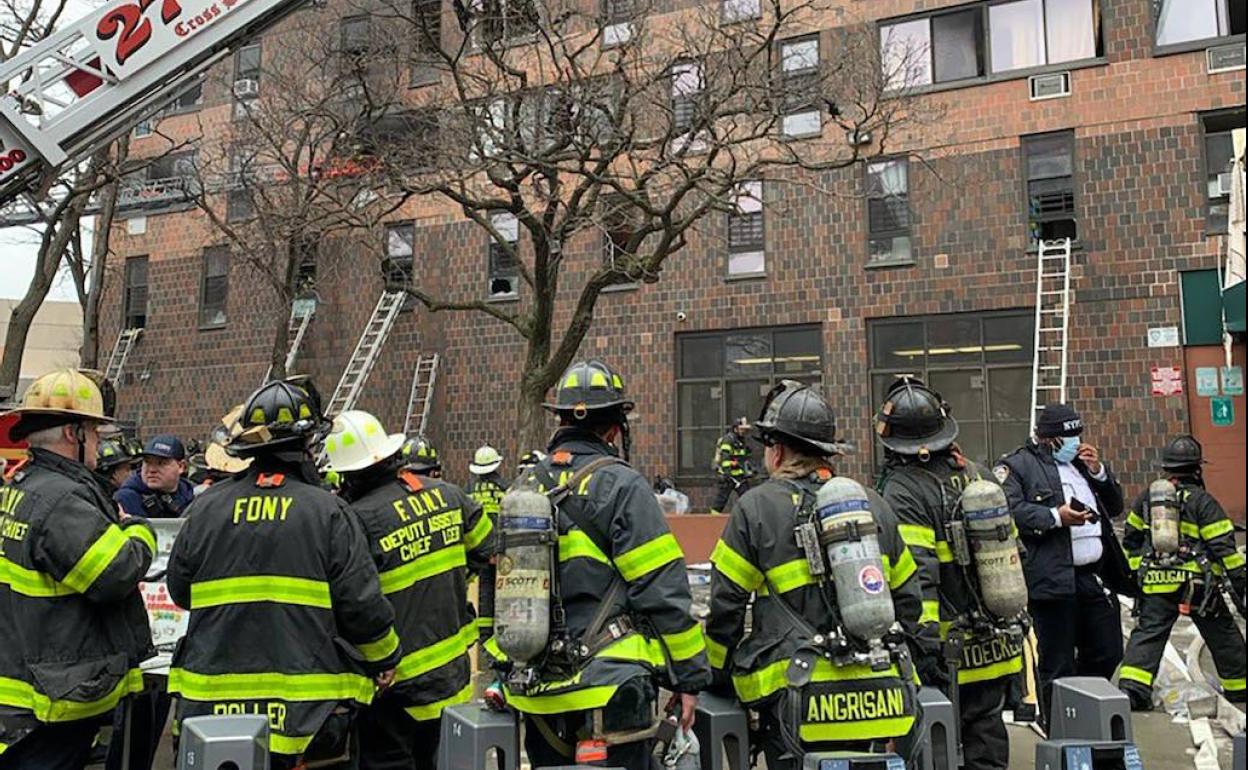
{"x":1067,"y":451}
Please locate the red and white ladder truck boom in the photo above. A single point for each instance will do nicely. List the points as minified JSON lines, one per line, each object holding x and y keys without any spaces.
{"x":91,"y":81}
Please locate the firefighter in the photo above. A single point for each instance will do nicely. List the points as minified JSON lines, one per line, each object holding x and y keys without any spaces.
{"x":1063,"y":499}
{"x":625,"y":593}
{"x":923,"y":478}
{"x":218,"y":463}
{"x":287,"y":615}
{"x":732,"y":464}
{"x":486,"y":486}
{"x":758,"y":555}
{"x":421,"y":457}
{"x":115,"y":462}
{"x":527,"y":461}
{"x":1187,"y":584}
{"x":424,"y":535}
{"x":73,"y":629}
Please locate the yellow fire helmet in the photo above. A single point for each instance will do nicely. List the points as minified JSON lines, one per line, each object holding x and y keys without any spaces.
{"x":68,"y":394}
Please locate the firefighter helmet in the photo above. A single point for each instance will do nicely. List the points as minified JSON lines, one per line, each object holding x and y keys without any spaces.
{"x":64,"y":396}
{"x":358,"y":441}
{"x":798,"y":414}
{"x":485,"y":461}
{"x":914,"y":420}
{"x":421,"y":455}
{"x":113,"y":453}
{"x":1182,"y":453}
{"x":589,"y":386}
{"x":216,"y":457}
{"x":280,"y":416}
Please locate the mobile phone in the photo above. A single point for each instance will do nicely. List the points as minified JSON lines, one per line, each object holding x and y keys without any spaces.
{"x":1078,"y":505}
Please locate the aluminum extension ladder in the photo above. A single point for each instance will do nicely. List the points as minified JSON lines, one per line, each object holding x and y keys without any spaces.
{"x":297,"y":327}
{"x":121,"y":351}
{"x":1049,"y":367}
{"x":347,"y":392}
{"x":421,"y":398}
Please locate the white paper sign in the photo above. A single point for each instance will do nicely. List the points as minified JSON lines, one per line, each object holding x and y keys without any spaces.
{"x":1163,"y":337}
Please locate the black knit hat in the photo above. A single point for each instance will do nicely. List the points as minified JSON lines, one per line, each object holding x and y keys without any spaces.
{"x":1059,"y":420}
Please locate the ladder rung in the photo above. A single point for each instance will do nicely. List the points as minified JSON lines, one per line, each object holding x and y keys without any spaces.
{"x":1050,"y":329}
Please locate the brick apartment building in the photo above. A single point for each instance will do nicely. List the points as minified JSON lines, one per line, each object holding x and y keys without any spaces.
{"x":932,"y":272}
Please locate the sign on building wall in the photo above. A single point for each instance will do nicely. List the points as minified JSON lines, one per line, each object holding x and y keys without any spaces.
{"x":1163,"y":337}
{"x":1167,"y":380}
{"x":1222,"y":410}
{"x":1206,"y":381}
{"x":1232,"y":381}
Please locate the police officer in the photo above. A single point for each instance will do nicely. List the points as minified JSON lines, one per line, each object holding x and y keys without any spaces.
{"x":72,"y":625}
{"x":624,"y":591}
{"x":287,"y":615}
{"x":486,"y":486}
{"x":159,"y":490}
{"x":923,"y":478}
{"x":759,"y":555}
{"x":424,"y":535}
{"x":1063,"y":498}
{"x":114,"y":463}
{"x":421,"y":457}
{"x":1206,"y":556}
{"x":732,"y":464}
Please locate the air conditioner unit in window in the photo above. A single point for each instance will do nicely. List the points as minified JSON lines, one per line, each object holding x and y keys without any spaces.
{"x":1052,"y":85}
{"x":1225,"y":180}
{"x":246,"y":88}
{"x":1225,"y":58}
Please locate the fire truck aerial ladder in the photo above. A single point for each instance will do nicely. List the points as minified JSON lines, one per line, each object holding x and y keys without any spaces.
{"x":91,"y":81}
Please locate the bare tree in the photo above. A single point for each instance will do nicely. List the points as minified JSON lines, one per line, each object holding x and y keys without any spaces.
{"x":295,"y":170}
{"x":551,"y":127}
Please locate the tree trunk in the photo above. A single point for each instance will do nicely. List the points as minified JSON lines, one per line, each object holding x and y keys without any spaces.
{"x":532,"y":421}
{"x":55,"y":240}
{"x":90,"y":352}
{"x":281,"y":328}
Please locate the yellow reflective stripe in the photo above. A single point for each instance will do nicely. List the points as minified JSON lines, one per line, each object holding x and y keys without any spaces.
{"x":278,"y":589}
{"x":484,"y":622}
{"x":1134,"y":562}
{"x":557,"y":703}
{"x":1216,"y":529}
{"x":1189,"y":529}
{"x":716,"y":653}
{"x":577,"y":545}
{"x":635,"y":648}
{"x":22,"y":695}
{"x":3,"y":748}
{"x":991,"y":671}
{"x":1134,"y":521}
{"x":96,"y":559}
{"x":434,"y":710}
{"x":1136,"y":675}
{"x":29,"y":582}
{"x":757,"y":685}
{"x":380,"y":649}
{"x":944,"y":552}
{"x":436,"y":655}
{"x":1234,"y":561}
{"x":917,"y":536}
{"x":491,"y":646}
{"x":646,"y":558}
{"x":289,"y":744}
{"x":901,"y":572}
{"x":479,"y":532}
{"x":142,"y":534}
{"x":931,"y":611}
{"x":423,"y":568}
{"x":270,"y":686}
{"x":1234,"y":685}
{"x":866,"y":729}
{"x":685,"y":644}
{"x":736,"y":567}
{"x":790,"y":575}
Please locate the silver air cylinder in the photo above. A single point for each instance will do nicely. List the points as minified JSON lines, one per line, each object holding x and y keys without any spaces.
{"x":1163,"y":517}
{"x":523,"y":575}
{"x":994,"y":549}
{"x":848,"y":532}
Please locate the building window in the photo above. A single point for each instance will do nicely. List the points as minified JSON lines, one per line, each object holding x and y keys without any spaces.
{"x":306,"y":251}
{"x":725,"y":375}
{"x":145,"y":127}
{"x":888,"y":210}
{"x":1219,"y":167}
{"x":134,"y":296}
{"x":400,"y":243}
{"x":979,"y":362}
{"x":1187,"y":21}
{"x":618,"y":226}
{"x":426,"y":40}
{"x":188,"y":100}
{"x":214,"y":286}
{"x":159,"y":182}
{"x":799,"y":65}
{"x":354,"y":36}
{"x":951,"y":46}
{"x":506,"y":21}
{"x":246,"y":84}
{"x":686,"y":89}
{"x":738,"y":10}
{"x":746,"y":255}
{"x":1050,"y":167}
{"x":504,"y":269}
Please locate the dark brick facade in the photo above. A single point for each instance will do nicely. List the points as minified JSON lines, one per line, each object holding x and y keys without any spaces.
{"x":1140,"y":203}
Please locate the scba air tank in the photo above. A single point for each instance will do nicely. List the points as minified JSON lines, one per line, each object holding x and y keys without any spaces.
{"x":994,"y":549}
{"x":1163,"y":517}
{"x":849,"y":535}
{"x":523,"y":575}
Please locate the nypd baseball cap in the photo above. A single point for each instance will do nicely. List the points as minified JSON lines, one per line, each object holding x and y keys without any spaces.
{"x":165,"y":445}
{"x":1059,"y":420}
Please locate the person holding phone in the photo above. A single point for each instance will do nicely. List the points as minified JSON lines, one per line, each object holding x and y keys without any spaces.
{"x":1063,"y":498}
